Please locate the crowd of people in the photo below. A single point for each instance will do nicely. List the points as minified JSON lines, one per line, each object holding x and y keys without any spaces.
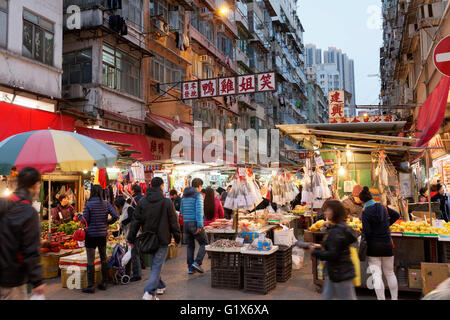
{"x":150,"y":222}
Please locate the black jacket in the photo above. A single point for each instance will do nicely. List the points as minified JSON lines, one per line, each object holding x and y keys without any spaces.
{"x":336,"y":252}
{"x":177,"y":202}
{"x":20,"y":243}
{"x":376,"y":222}
{"x":149,"y":210}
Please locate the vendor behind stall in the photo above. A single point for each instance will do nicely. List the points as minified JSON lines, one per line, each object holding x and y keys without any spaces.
{"x":352,"y":204}
{"x":63,"y":212}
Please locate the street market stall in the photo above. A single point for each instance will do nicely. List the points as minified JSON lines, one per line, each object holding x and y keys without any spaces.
{"x":350,"y":159}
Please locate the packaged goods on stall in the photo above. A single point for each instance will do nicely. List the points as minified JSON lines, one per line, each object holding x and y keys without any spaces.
{"x":283,"y":189}
{"x":247,"y":225}
{"x":220,"y":224}
{"x":226,"y":243}
{"x":261,"y":245}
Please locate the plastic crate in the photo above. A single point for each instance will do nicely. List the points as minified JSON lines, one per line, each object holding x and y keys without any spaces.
{"x":223,"y":279}
{"x":284,"y":256}
{"x":260,"y":264}
{"x":445,"y":251}
{"x":261,"y":284}
{"x":228,"y":261}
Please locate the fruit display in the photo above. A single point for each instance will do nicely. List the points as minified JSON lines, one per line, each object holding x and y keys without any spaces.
{"x":356,"y":224}
{"x":299,"y":210}
{"x":417,"y":227}
{"x":58,"y":241}
{"x":44,"y":226}
{"x":317,"y":226}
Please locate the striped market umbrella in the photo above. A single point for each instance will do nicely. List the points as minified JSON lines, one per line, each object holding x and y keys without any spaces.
{"x":47,"y":149}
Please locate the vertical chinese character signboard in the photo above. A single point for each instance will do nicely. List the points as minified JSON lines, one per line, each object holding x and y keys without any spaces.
{"x":190,"y":90}
{"x":336,"y":101}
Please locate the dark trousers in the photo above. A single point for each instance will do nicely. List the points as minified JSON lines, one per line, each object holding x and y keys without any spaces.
{"x":190,"y":230}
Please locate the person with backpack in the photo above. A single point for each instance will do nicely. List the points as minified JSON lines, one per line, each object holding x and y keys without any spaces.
{"x":20,"y":261}
{"x":192,"y":210}
{"x":376,"y":220}
{"x":137,"y":260}
{"x":96,"y":215}
{"x":156,"y":216}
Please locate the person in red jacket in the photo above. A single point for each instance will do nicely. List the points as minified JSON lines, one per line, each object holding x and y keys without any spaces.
{"x":212,"y":207}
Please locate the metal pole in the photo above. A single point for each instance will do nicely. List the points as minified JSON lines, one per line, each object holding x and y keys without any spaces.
{"x":427,"y":162}
{"x":49,"y":207}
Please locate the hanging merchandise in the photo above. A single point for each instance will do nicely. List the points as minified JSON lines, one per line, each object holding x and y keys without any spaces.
{"x":138,"y":171}
{"x":321,"y":190}
{"x":307,"y":194}
{"x":102,"y":178}
{"x":244,"y":193}
{"x":283,"y":189}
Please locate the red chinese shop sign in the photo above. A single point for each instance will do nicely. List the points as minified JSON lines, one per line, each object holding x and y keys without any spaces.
{"x":243,"y":84}
{"x":336,"y":101}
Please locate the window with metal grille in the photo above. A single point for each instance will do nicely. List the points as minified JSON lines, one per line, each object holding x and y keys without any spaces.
{"x":77,"y":67}
{"x":38,"y":38}
{"x":121,"y":71}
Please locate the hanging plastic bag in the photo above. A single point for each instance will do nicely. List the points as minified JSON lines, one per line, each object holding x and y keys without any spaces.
{"x":126,"y":257}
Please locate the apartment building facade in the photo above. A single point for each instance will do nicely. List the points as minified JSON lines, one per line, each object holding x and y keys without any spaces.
{"x":31,"y":53}
{"x":411,"y":30}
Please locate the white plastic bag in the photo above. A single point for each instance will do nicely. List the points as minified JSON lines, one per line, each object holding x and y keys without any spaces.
{"x":297,"y":258}
{"x":37,"y":297}
{"x":284,"y":237}
{"x":127,"y":257}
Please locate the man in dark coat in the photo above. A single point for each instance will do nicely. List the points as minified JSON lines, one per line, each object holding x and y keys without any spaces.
{"x":156,"y":214}
{"x":20,"y":261}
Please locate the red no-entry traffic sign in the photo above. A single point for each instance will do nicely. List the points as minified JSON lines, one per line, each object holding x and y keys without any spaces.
{"x":441,"y":56}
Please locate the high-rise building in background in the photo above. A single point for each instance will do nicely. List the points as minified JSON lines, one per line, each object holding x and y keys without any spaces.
{"x":313,"y":55}
{"x":337,"y":72}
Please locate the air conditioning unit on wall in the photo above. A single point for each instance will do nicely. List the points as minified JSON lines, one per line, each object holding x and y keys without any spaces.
{"x":74,"y":91}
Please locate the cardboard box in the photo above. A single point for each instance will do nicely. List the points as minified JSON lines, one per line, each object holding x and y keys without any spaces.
{"x":433,"y":274}
{"x":419,"y":215}
{"x":415,"y":278}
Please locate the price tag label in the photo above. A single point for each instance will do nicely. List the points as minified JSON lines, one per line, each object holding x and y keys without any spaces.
{"x":60,"y":215}
{"x":262,"y":237}
{"x":438,"y":223}
{"x":240,"y":240}
{"x":319,"y":161}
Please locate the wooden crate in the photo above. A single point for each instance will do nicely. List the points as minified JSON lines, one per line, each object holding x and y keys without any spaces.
{"x":50,"y":266}
{"x":83,"y":278}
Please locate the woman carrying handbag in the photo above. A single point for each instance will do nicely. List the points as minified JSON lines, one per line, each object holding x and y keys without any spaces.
{"x":96,"y":215}
{"x":377,"y":244}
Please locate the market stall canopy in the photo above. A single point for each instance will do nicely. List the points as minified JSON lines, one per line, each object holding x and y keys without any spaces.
{"x":352,"y":134}
{"x":47,"y":149}
{"x":140,"y":149}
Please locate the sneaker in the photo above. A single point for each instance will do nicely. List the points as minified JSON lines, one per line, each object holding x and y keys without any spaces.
{"x":197,"y":267}
{"x":134,"y":279}
{"x":160,"y":291}
{"x":148,"y":296}
{"x":190,"y":270}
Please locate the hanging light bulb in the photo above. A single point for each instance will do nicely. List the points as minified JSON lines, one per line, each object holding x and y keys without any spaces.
{"x":85,"y":171}
{"x":7,"y":192}
{"x":349,"y":153}
{"x":341,"y":171}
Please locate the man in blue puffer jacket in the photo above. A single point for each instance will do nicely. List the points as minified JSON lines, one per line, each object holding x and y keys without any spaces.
{"x":191,"y":208}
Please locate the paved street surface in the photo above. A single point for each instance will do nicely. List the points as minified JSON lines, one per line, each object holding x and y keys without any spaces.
{"x":181,"y":286}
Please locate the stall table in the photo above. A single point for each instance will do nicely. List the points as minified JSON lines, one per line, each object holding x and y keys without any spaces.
{"x":409,"y":250}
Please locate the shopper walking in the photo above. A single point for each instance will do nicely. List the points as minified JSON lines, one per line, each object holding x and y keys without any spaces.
{"x":212,"y":207}
{"x":20,"y":261}
{"x":155,"y":215}
{"x":137,"y":260}
{"x":192,"y":210}
{"x":339,"y":267}
{"x":176,"y":200}
{"x":423,"y":194}
{"x":444,"y":199}
{"x":98,"y":214}
{"x":376,"y":220}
